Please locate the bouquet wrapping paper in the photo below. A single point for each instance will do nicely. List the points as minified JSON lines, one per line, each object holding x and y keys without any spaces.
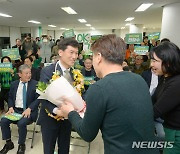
{"x":59,"y":89}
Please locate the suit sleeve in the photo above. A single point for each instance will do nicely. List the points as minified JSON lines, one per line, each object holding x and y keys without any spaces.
{"x":45,"y":77}
{"x":35,"y":102}
{"x":11,"y":102}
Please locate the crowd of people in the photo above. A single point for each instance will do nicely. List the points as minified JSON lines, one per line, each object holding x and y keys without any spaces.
{"x":129,"y":97}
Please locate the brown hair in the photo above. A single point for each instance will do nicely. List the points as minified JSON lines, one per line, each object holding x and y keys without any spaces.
{"x":111,"y":47}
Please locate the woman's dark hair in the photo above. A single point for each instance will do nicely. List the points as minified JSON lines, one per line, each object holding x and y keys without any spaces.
{"x":6,"y":58}
{"x":169,"y":53}
{"x":145,"y":37}
{"x":111,"y":47}
{"x":165,"y":39}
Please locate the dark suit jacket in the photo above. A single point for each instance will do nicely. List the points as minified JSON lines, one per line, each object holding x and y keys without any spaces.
{"x":35,"y":73}
{"x":147,"y":76}
{"x":21,"y":52}
{"x":44,"y":119}
{"x":32,"y":96}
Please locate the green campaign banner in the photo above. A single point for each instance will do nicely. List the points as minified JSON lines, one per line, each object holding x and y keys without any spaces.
{"x":133,"y":38}
{"x":95,"y":37}
{"x":85,"y":38}
{"x":68,"y":33}
{"x":5,"y":67}
{"x":154,"y":36}
{"x":12,"y":53}
{"x":141,"y":50}
{"x":88,"y":80}
{"x":13,"y":116}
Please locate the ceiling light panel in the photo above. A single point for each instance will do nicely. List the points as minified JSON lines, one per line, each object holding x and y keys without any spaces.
{"x":52,"y":26}
{"x":5,"y":15}
{"x":143,"y":7}
{"x":69,"y":10}
{"x":82,"y":20}
{"x":129,"y":19}
{"x":35,"y":22}
{"x":88,"y":25}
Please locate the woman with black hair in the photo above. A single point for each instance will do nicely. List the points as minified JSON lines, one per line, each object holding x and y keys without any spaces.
{"x":166,"y":63}
{"x":6,"y":77}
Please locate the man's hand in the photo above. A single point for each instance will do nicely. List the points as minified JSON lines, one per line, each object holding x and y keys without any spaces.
{"x":59,"y":113}
{"x":26,"y":113}
{"x":11,"y":110}
{"x":66,"y":107}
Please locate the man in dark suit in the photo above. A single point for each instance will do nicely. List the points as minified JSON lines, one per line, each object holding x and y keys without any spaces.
{"x":34,"y":71}
{"x":22,"y":51}
{"x":151,"y":80}
{"x":22,"y":100}
{"x":53,"y":129}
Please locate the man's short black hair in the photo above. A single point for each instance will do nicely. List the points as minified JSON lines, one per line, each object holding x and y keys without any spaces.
{"x":62,"y":45}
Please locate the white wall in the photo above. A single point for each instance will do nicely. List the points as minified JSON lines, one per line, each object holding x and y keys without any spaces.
{"x":25,"y":30}
{"x":171,"y":22}
{"x":4,"y":31}
{"x":34,"y":32}
{"x":124,"y":32}
{"x":14,"y":34}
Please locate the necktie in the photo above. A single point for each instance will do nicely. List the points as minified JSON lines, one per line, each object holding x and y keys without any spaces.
{"x":24,"y":95}
{"x":68,"y":76}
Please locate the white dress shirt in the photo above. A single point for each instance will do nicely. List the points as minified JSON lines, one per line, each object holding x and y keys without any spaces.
{"x":154,"y":83}
{"x":62,"y":67}
{"x":19,"y":95}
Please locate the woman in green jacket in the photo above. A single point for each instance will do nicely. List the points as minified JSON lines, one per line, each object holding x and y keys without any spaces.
{"x":6,"y":77}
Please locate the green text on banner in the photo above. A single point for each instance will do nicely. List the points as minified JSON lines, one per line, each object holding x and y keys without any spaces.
{"x":85,"y":38}
{"x":134,"y":38}
{"x":5,"y":67}
{"x":12,"y":53}
{"x":154,"y":36}
{"x":68,"y":33}
{"x":141,"y":50}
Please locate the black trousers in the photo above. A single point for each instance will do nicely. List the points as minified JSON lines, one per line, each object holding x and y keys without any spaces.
{"x":61,"y":135}
{"x":3,"y":97}
{"x":22,"y":127}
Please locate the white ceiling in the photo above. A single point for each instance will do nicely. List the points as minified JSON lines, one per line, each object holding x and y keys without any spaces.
{"x":101,"y":14}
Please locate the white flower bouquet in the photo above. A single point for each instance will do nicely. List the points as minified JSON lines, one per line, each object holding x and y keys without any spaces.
{"x":59,"y":89}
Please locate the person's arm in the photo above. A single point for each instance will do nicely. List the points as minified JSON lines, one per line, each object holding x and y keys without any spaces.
{"x":34,"y":105}
{"x":10,"y":98}
{"x":168,"y":100}
{"x":89,"y":126}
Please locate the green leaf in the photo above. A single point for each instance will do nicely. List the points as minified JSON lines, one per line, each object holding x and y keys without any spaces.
{"x":42,"y":86}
